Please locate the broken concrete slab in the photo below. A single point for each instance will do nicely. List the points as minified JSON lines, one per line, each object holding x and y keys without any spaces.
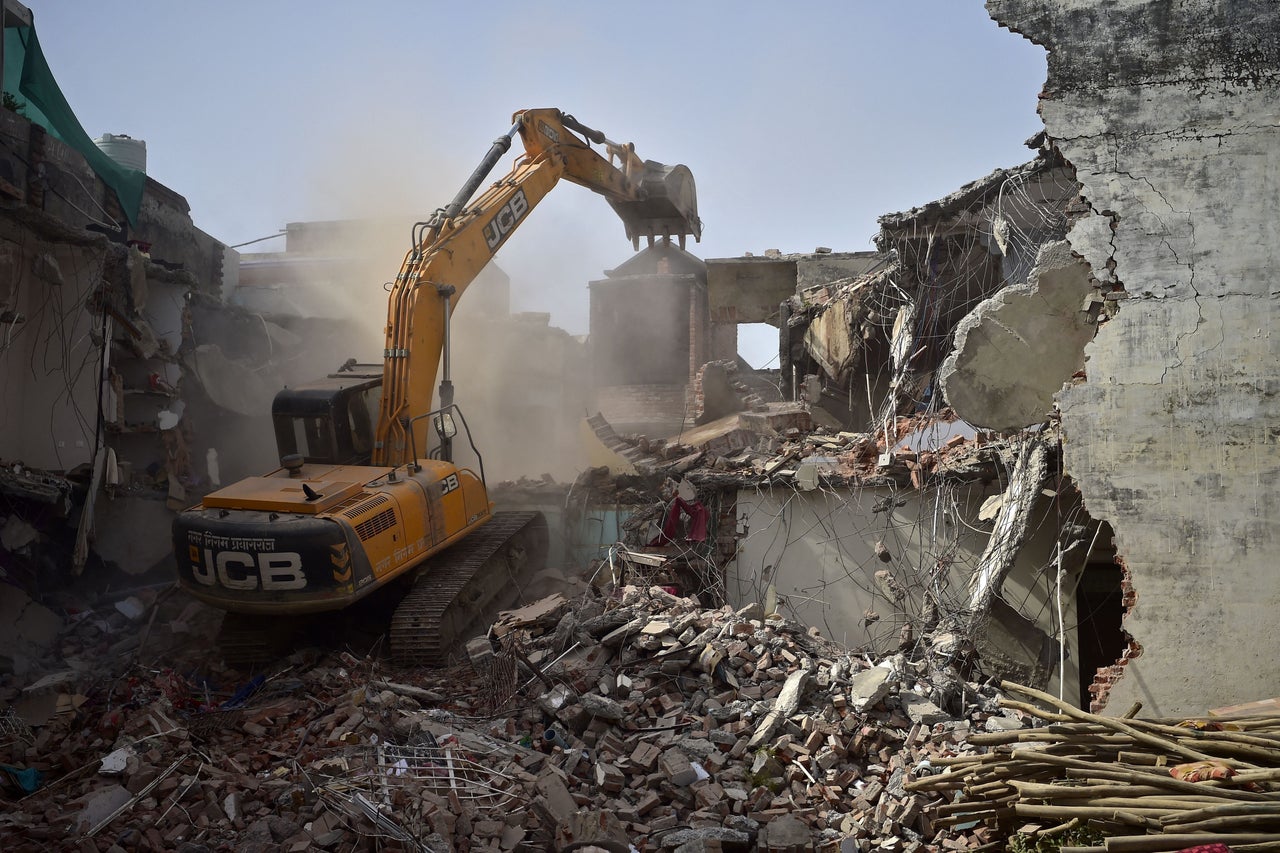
{"x":723,"y":436}
{"x":602,"y":707}
{"x":778,"y":418}
{"x":783,"y":707}
{"x":99,"y":805}
{"x":920,"y":709}
{"x":230,"y":384}
{"x":786,"y":834}
{"x":729,"y":839}
{"x":1016,"y":349}
{"x":27,"y":628}
{"x":870,"y":687}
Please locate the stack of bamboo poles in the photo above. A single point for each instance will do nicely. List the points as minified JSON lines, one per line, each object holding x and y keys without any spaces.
{"x":1112,"y":775}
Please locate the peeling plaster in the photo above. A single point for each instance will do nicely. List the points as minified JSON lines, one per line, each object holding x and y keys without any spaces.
{"x":1169,"y":115}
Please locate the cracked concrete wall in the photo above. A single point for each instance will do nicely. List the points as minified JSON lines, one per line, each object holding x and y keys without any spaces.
{"x":49,"y":362}
{"x":1016,"y":349}
{"x":1169,"y":113}
{"x":819,"y":551}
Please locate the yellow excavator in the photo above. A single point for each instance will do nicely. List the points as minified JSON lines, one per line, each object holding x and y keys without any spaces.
{"x":368,"y":497}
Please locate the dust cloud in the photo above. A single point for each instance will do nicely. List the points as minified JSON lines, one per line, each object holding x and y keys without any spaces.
{"x":522,"y":383}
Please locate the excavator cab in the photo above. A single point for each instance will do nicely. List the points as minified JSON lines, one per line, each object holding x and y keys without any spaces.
{"x":330,"y":421}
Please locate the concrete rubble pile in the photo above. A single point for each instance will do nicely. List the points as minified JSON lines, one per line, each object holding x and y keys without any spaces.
{"x":804,"y":455}
{"x":639,"y":720}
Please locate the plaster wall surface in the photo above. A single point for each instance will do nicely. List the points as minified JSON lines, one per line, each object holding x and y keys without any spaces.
{"x":748,"y":290}
{"x":818,"y":549}
{"x":1171,"y":116}
{"x":50,"y":362}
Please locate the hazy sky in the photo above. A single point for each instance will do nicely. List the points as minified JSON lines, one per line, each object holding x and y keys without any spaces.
{"x":801,"y":122}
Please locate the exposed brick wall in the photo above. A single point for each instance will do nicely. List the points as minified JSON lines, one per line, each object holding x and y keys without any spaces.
{"x":722,"y":341}
{"x":727,"y":528}
{"x":699,"y":329}
{"x":748,"y":399}
{"x":1107,"y":676}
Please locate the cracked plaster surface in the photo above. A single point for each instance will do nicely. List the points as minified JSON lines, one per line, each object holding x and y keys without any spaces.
{"x":1172,"y":120}
{"x":1016,"y":349}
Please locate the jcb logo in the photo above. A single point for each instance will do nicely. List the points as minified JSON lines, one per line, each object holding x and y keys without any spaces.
{"x":505,"y":219}
{"x":241,"y":570}
{"x":448,"y":484}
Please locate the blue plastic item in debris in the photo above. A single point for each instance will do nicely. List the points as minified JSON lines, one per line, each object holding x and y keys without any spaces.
{"x":28,"y":779}
{"x":242,"y":695}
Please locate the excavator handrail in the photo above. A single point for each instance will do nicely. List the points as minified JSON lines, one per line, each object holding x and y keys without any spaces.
{"x":466,"y":428}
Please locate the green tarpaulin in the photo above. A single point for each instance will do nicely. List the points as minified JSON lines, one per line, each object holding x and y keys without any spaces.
{"x":28,"y":80}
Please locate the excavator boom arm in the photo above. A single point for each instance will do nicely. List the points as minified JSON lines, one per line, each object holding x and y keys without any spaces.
{"x":652,"y":200}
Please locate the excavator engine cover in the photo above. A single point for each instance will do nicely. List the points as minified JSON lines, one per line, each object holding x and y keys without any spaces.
{"x":669,"y":207}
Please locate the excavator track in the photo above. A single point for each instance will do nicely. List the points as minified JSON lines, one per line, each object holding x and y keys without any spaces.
{"x":471,"y":580}
{"x":249,"y":642}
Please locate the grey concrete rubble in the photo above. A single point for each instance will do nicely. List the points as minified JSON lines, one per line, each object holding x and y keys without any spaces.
{"x":699,"y":729}
{"x":1017,"y":349}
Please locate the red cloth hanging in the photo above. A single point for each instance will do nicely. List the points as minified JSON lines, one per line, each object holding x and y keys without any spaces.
{"x":698,"y":517}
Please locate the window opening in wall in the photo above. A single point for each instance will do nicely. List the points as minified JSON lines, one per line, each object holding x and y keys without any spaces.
{"x":758,"y":345}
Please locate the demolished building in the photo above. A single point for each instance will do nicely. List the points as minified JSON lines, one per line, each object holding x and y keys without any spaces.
{"x":1027,"y":439}
{"x":867,"y":506}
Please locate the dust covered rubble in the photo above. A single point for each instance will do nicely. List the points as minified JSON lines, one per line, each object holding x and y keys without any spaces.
{"x":640,"y":720}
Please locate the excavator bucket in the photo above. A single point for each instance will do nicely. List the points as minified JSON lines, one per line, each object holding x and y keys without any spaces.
{"x":669,"y":207}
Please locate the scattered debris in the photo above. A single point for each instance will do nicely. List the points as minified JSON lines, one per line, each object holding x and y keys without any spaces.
{"x":655,"y":720}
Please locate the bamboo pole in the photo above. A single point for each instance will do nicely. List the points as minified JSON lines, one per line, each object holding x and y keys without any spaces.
{"x":1198,"y":734}
{"x":1213,"y":824}
{"x":1223,"y":810}
{"x":1038,"y":791}
{"x":1170,"y":842}
{"x":1171,"y":802}
{"x":970,"y":805}
{"x":1086,"y":812}
{"x":1057,"y":830}
{"x":958,"y":760}
{"x":1169,"y":782}
{"x":1119,"y":725}
{"x":1045,"y":736}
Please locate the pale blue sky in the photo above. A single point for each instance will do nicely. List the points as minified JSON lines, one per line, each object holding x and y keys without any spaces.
{"x":801,"y":122}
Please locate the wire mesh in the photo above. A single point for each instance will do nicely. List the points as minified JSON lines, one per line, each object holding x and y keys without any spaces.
{"x":444,"y":770}
{"x":14,"y":728}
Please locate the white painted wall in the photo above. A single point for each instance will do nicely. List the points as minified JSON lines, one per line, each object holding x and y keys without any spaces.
{"x":819,"y":549}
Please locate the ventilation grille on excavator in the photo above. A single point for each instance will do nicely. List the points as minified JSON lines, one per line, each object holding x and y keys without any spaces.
{"x":379,"y":523}
{"x":383,"y":521}
{"x":363,"y":505}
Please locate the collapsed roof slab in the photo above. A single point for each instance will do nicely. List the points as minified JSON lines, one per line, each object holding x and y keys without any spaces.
{"x":1015,"y":351}
{"x":749,"y":289}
